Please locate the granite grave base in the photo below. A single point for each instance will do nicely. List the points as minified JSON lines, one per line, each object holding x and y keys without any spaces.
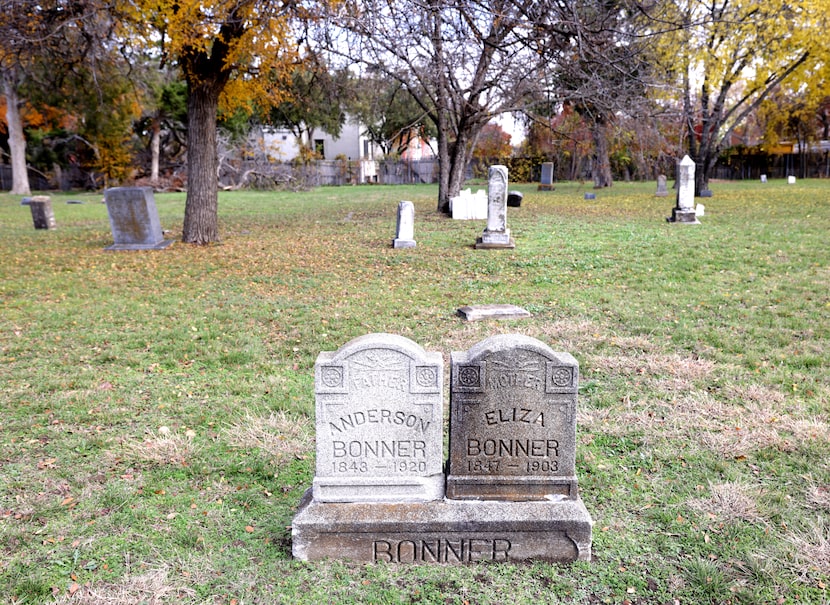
{"x":683,"y":216}
{"x":442,"y":531}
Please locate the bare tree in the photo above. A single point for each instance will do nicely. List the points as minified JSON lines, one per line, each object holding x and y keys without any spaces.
{"x":463,"y":63}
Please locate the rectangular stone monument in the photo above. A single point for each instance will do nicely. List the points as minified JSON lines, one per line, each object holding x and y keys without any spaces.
{"x":379,"y":422}
{"x":134,"y":219}
{"x":546,"y":182}
{"x":469,"y":206}
{"x":405,"y":231}
{"x":43,"y":216}
{"x":496,"y":234}
{"x":684,"y":210}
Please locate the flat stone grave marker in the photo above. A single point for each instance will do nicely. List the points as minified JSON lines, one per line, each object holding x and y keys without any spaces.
{"x":405,"y":230}
{"x":379,"y":422}
{"x":478,"y":312}
{"x":134,"y":219}
{"x":43,"y":216}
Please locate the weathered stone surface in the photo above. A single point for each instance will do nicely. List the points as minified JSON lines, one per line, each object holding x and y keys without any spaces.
{"x":443,"y":531}
{"x":134,"y":219}
{"x":379,"y":422}
{"x":405,"y":231}
{"x":662,"y":188}
{"x":684,"y":210}
{"x":512,"y":421}
{"x":478,"y":312}
{"x":43,"y":216}
{"x":496,"y":234}
{"x":546,"y":181}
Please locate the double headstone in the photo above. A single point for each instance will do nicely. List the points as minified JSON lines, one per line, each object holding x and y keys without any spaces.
{"x":378,"y":491}
{"x":134,"y":219}
{"x":546,"y":182}
{"x":405,"y":231}
{"x":496,"y":234}
{"x":684,"y":210}
{"x":43,"y":216}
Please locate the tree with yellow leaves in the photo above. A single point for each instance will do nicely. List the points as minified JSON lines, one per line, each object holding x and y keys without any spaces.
{"x":223,"y":49}
{"x":722,"y":58}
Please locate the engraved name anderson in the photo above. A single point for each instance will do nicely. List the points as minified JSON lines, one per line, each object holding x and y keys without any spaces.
{"x":379,"y":416}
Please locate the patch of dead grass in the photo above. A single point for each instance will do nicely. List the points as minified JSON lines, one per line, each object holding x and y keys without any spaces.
{"x":730,"y":502}
{"x":152,"y":587}
{"x":818,"y":497}
{"x":812,"y":547}
{"x":279,"y":435}
{"x":162,"y":447}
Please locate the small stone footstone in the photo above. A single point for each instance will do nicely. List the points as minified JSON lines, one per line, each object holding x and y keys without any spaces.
{"x":74,"y":202}
{"x":134,"y":219}
{"x":43,"y":216}
{"x":478,"y":312}
{"x":590,"y":196}
{"x":25,"y":201}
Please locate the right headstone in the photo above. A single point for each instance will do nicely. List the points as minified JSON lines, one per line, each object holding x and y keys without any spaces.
{"x":512,"y":421}
{"x":134,"y":219}
{"x":684,"y":210}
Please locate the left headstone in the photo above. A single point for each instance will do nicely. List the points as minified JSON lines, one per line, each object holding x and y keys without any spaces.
{"x":43,"y":216}
{"x":405,"y":232}
{"x":379,"y":422}
{"x":134,"y":219}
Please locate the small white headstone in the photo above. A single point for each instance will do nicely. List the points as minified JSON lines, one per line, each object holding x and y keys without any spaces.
{"x":405,"y":234}
{"x":791,"y":180}
{"x":763,"y":178}
{"x":700,"y":209}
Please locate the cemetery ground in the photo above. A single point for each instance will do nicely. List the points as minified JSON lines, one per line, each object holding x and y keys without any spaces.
{"x":156,"y":408}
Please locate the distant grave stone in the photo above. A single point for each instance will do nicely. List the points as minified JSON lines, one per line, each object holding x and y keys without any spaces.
{"x":763,"y":178}
{"x":469,"y":206}
{"x":496,"y":234}
{"x":791,"y":180}
{"x":706,"y":193}
{"x":25,"y":201}
{"x":134,"y":219}
{"x":514,"y":199}
{"x":43,"y":216}
{"x":546,"y":180}
{"x":590,"y":196}
{"x":74,"y":202}
{"x":684,"y":210}
{"x":405,"y":231}
{"x":662,"y":189}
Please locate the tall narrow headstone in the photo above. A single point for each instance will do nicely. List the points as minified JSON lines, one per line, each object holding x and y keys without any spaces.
{"x":662,"y":189}
{"x":134,"y":219}
{"x":405,"y":231}
{"x":379,"y":422}
{"x":496,"y":234}
{"x":684,"y":210}
{"x":43,"y":216}
{"x":546,"y":182}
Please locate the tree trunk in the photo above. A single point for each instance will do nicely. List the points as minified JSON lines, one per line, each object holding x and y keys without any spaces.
{"x":602,"y":160}
{"x":155,"y":151}
{"x":17,"y":140}
{"x":201,"y":216}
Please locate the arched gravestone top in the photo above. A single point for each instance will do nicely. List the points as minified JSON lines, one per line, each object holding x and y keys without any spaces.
{"x":513,"y":421}
{"x":379,"y":404}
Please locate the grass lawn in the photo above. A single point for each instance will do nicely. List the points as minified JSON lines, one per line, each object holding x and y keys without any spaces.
{"x":156,"y":408}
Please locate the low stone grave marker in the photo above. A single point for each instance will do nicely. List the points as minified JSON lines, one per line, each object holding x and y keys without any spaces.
{"x":43,"y":216}
{"x":469,"y":206}
{"x":662,"y":189}
{"x":492,"y":311}
{"x":134,"y":219}
{"x":514,"y":199}
{"x":405,"y":230}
